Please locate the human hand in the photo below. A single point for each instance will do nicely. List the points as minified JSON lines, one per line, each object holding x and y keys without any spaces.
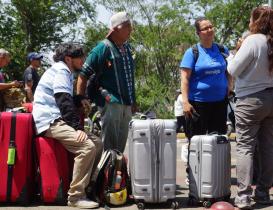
{"x":188,"y":109}
{"x":86,"y":107}
{"x":134,"y":108}
{"x":86,"y":104}
{"x":81,"y":136}
{"x":16,"y":83}
{"x":113,"y":99}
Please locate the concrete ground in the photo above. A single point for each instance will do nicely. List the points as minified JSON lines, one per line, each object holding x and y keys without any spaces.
{"x":182,"y":189}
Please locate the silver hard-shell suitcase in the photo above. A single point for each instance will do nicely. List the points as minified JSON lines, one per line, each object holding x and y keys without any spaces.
{"x":152,"y":161}
{"x":209,"y":169}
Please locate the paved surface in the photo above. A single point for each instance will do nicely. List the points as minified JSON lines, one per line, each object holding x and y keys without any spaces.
{"x":182,"y":190}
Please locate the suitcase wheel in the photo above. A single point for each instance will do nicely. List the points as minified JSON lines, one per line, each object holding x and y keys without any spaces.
{"x":174,"y":205}
{"x":140,"y":206}
{"x":207,"y":204}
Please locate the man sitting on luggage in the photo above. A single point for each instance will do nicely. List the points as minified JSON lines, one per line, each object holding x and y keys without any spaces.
{"x":55,"y":116}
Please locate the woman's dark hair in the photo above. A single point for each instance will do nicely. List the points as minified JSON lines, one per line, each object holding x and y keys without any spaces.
{"x":197,"y":22}
{"x":262,"y":22}
{"x":68,"y":49}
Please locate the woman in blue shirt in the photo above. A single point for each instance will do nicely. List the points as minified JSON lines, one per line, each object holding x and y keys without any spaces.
{"x":204,"y":82}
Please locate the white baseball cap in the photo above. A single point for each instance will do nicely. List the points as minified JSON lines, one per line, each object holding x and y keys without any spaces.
{"x":116,"y":20}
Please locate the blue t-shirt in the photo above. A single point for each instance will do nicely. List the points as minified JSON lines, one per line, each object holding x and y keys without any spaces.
{"x":208,"y":81}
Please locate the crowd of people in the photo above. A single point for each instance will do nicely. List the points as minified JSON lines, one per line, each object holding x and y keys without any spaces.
{"x":207,"y":77}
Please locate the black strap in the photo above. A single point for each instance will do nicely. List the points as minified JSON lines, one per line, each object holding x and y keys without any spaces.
{"x":195,"y":51}
{"x":11,"y":145}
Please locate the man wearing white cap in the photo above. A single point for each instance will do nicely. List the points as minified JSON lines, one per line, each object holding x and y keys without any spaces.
{"x":112,"y":65}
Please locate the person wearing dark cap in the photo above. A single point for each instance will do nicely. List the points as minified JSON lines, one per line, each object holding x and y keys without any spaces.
{"x":111,"y":60}
{"x":55,"y":116}
{"x":31,"y":76}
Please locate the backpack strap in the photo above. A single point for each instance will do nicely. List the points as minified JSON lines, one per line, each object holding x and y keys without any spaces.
{"x":222,"y":50}
{"x":113,"y":50}
{"x":195,"y":52}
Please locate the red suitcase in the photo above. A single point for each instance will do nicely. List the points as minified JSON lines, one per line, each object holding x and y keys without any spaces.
{"x":55,"y":170}
{"x":16,"y":158}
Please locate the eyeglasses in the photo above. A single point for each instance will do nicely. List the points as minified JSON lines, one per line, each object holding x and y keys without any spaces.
{"x":207,"y":28}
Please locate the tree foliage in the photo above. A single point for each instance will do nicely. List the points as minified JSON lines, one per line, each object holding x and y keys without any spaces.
{"x":232,"y":19}
{"x":38,"y":25}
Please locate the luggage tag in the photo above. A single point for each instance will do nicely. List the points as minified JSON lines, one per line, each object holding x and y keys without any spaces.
{"x":11,"y":155}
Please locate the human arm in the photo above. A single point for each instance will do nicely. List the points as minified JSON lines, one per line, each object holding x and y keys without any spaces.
{"x":242,"y":58}
{"x":186,"y":66}
{"x":185,"y":80}
{"x":230,"y":83}
{"x":68,"y":110}
{"x":81,"y":87}
{"x":4,"y":86}
{"x":28,"y":89}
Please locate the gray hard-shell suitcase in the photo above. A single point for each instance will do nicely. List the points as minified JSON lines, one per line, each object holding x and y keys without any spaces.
{"x":152,"y":161}
{"x":209,"y":169}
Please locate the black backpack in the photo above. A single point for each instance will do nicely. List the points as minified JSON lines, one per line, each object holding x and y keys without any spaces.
{"x":112,"y":186}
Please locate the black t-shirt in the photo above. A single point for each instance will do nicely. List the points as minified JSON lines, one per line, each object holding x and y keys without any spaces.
{"x":31,"y":74}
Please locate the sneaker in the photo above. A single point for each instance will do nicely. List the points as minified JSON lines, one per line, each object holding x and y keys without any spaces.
{"x":244,"y":204}
{"x":262,"y":198}
{"x":83,"y":204}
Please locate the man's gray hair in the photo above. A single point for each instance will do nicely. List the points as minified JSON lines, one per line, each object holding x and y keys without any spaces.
{"x":4,"y":52}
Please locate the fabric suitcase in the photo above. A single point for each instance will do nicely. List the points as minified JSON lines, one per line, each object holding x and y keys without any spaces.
{"x":55,"y":170}
{"x":16,"y":158}
{"x":152,"y":161}
{"x":209,"y":169}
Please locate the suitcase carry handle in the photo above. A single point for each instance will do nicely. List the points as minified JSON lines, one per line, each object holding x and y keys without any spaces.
{"x":222,"y":140}
{"x":142,"y":134}
{"x":167,"y":189}
{"x":214,"y":133}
